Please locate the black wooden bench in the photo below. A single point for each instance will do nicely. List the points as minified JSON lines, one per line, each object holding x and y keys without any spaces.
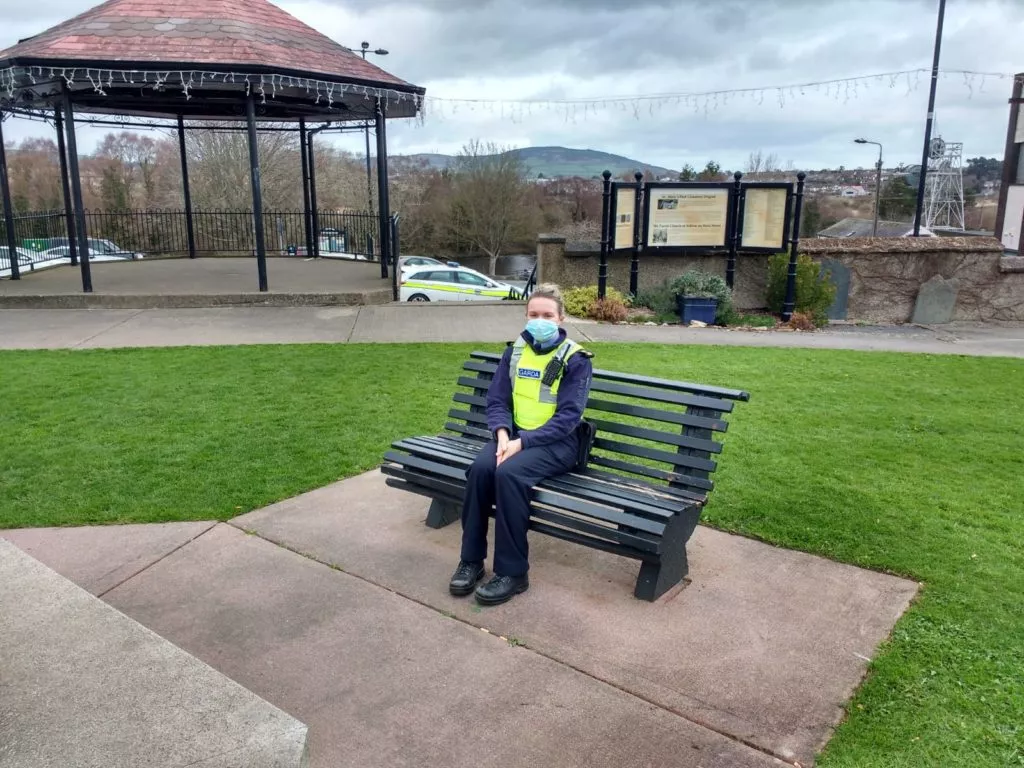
{"x":642,"y":492}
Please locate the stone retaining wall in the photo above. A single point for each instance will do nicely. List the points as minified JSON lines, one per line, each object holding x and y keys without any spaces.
{"x":879,"y":279}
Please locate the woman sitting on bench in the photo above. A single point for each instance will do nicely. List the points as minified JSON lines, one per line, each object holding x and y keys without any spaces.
{"x":534,"y":411}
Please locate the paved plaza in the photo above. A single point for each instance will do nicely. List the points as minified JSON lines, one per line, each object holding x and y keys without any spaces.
{"x":333,"y":607}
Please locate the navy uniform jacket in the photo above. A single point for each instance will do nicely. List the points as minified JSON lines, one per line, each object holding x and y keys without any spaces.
{"x":572,"y":397}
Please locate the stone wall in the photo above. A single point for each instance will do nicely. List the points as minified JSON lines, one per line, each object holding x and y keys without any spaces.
{"x":879,"y":280}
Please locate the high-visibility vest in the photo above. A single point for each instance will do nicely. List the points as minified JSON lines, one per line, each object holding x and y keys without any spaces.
{"x":533,"y":400}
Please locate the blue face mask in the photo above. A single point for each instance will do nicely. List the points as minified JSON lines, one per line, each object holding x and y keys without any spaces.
{"x":542,"y":330}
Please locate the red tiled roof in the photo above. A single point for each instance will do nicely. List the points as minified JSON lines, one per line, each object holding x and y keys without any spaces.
{"x":214,"y":33}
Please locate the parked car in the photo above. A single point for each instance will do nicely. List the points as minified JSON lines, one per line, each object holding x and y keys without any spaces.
{"x":444,"y":283}
{"x":97,"y":247}
{"x":25,"y":261}
{"x":411,"y":263}
{"x":64,"y":252}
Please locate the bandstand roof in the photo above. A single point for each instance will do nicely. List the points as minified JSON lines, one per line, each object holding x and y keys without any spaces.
{"x":164,"y":58}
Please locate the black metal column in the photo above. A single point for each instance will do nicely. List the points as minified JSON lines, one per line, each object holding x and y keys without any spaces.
{"x":369,"y":172}
{"x":5,"y":192}
{"x":794,"y":249}
{"x":65,"y":186}
{"x":383,"y":201}
{"x":634,"y":263}
{"x":257,"y":192}
{"x":189,"y":229}
{"x":734,"y":229}
{"x":926,"y":150}
{"x":314,"y":210}
{"x":76,"y":191}
{"x":307,"y":222}
{"x":606,"y":234}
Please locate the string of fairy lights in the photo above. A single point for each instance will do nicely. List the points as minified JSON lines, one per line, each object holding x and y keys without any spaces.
{"x":843,"y":90}
{"x":442,"y":108}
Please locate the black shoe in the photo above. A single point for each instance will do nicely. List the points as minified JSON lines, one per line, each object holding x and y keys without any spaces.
{"x":501,"y":589}
{"x":465,"y":578}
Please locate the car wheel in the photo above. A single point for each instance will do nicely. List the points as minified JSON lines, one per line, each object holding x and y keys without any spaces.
{"x":419,"y":297}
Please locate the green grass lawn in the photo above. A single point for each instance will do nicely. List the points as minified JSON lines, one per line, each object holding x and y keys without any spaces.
{"x":911,"y":464}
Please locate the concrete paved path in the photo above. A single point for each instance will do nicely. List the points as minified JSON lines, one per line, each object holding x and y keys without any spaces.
{"x":85,"y":328}
{"x":381,"y":679}
{"x":84,"y":685}
{"x":333,"y":607}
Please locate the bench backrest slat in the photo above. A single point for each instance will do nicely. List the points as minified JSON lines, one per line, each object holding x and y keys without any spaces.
{"x":643,"y":452}
{"x":467,"y":399}
{"x":669,"y":417}
{"x":629,"y":412}
{"x":660,"y":395}
{"x":468,"y":416}
{"x":646,"y":471}
{"x":655,"y":435}
{"x":464,"y":429}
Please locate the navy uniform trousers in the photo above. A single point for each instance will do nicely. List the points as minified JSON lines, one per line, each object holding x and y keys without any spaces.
{"x":508,"y":488}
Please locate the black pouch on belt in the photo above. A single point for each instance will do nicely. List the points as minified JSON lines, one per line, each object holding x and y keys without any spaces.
{"x":586,"y":432}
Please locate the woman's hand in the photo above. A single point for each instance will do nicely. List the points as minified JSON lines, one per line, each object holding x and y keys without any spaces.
{"x":511,"y":449}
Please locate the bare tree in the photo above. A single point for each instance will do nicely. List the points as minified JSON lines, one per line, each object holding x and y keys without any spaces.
{"x":128,"y":169}
{"x":755,"y":163}
{"x":34,"y":175}
{"x":490,"y":210}
{"x":220,"y":174}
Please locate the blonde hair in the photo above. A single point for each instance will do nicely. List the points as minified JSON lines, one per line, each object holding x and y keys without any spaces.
{"x":548,"y":291}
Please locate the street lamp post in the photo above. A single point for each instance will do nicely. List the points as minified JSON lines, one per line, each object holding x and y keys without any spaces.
{"x":878,"y":181}
{"x":925,"y":150}
{"x":365,"y":49}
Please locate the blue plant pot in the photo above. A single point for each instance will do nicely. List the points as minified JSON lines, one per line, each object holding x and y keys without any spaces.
{"x":702,"y":309}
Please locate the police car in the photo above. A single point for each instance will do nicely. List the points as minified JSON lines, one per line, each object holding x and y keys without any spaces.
{"x":445,"y":283}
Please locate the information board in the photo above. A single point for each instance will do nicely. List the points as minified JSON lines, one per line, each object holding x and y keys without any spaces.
{"x":625,"y":218}
{"x":764,"y":217}
{"x":687,"y":217}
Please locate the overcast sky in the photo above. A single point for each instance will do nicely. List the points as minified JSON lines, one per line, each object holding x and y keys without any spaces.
{"x":556,"y":50}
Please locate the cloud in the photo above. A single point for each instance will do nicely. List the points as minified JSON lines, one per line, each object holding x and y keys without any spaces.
{"x":549,"y":50}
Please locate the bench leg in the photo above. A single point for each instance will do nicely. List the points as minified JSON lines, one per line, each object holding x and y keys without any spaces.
{"x":442,"y":513}
{"x":657,"y":578}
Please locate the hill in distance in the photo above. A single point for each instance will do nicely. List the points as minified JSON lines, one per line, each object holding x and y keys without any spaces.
{"x":553,"y":162}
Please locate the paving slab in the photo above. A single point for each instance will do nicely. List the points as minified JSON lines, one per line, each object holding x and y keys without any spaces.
{"x":382,"y":680}
{"x":56,"y":328}
{"x":441,"y":322}
{"x":98,"y":558}
{"x":84,"y":685}
{"x":765,"y":644}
